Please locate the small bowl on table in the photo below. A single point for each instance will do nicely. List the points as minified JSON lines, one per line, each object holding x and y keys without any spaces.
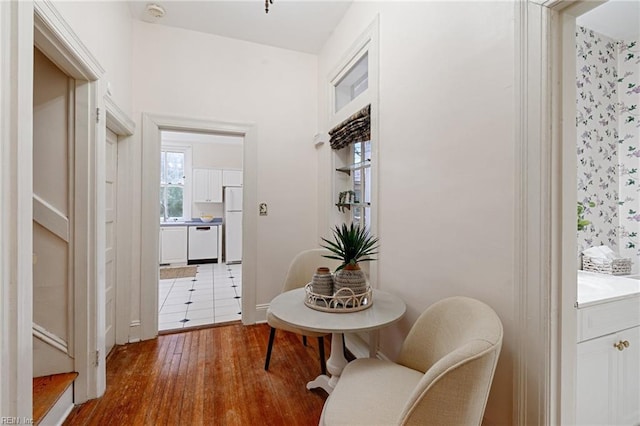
{"x":206,"y":219}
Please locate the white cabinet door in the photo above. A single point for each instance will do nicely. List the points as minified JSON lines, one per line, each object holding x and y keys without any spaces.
{"x":207,"y":185}
{"x":232,"y":178}
{"x":608,"y":391}
{"x":173,"y":244}
{"x":201,"y":192}
{"x":629,"y":376}
{"x":596,"y":381}
{"x":216,"y":185}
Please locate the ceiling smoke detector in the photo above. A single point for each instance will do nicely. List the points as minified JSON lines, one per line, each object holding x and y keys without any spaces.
{"x":153,"y":12}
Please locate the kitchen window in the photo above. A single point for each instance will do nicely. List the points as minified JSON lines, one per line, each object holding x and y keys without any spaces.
{"x":173,"y":182}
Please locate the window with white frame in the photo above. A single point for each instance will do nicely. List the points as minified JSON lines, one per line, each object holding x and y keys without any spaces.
{"x":173,"y":203}
{"x":353,"y":101}
{"x":353,"y":83}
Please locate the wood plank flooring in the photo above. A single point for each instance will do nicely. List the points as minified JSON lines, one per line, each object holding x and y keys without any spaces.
{"x":212,"y":376}
{"x":46,"y":392}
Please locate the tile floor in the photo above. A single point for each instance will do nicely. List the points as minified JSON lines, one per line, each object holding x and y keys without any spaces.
{"x":213,"y":296}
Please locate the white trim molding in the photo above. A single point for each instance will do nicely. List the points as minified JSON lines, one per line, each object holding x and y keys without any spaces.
{"x":55,"y":38}
{"x":117,"y":120}
{"x":50,"y":338}
{"x":51,"y":218}
{"x":533,"y":197}
{"x":123,"y":126}
{"x":152,"y":124}
{"x":16,"y":188}
{"x":545,"y":270}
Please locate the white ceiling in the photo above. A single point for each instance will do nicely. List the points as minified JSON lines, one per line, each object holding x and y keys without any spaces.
{"x":618,"y":19}
{"x":302,"y":25}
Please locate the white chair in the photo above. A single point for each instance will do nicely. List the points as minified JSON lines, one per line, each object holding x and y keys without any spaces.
{"x":442,"y":376}
{"x":300,"y":272}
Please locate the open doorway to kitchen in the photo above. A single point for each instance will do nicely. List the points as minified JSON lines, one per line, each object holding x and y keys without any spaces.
{"x":200,"y":215}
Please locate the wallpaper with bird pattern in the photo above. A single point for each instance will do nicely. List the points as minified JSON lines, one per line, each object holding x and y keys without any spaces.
{"x":608,"y":142}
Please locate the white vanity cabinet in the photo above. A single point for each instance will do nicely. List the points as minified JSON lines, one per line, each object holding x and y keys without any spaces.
{"x":173,"y":244}
{"x":608,"y":367}
{"x":207,"y":185}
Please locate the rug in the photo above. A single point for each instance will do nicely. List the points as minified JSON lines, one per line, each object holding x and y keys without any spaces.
{"x":178,"y":272}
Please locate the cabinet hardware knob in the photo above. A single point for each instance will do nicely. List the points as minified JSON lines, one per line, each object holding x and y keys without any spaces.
{"x":621,"y":345}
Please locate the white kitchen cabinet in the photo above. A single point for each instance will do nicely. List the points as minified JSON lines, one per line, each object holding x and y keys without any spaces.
{"x":207,"y":185}
{"x":173,"y":244}
{"x":608,"y":368}
{"x":232,"y":178}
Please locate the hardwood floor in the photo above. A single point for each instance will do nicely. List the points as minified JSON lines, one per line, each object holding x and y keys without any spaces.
{"x":212,"y":376}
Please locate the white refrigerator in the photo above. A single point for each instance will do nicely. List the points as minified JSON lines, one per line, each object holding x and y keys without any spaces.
{"x":233,"y":224}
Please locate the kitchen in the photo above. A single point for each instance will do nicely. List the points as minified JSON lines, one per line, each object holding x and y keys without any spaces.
{"x":200,"y":250}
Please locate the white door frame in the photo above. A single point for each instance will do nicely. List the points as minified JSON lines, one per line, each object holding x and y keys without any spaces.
{"x":54,"y":37}
{"x":546,"y":291}
{"x":152,"y":124}
{"x":16,"y":189}
{"x":124,"y":127}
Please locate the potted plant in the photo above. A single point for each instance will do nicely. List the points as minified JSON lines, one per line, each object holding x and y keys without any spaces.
{"x":582,"y":222}
{"x":352,"y":244}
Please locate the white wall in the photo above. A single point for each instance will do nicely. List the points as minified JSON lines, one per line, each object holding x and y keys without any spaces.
{"x":190,"y":74}
{"x":105,"y":27}
{"x":446,"y":159}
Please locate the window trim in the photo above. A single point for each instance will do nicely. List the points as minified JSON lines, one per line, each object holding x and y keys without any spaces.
{"x":188,"y":176}
{"x":367,"y":42}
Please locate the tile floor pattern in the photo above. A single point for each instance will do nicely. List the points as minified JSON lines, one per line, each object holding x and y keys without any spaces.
{"x":212,"y":296}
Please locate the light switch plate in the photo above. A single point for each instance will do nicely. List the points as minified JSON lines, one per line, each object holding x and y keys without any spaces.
{"x":263,"y":209}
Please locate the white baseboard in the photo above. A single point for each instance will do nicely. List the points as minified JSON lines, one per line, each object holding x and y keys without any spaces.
{"x":59,"y":412}
{"x":135,"y":331}
{"x":359,"y":347}
{"x":261,"y":313}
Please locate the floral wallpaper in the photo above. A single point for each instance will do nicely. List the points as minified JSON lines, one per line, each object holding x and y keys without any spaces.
{"x":629,"y":149}
{"x":608,"y":145}
{"x":597,"y":132}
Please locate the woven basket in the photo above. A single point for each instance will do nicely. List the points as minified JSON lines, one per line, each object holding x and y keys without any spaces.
{"x":611,"y":267}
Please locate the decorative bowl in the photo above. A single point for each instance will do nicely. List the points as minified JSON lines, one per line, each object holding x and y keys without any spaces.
{"x":206,"y":219}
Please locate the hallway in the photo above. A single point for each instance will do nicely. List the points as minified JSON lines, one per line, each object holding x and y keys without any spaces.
{"x":212,"y":376}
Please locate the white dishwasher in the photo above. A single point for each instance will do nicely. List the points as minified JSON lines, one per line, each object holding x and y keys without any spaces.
{"x":203,"y":243}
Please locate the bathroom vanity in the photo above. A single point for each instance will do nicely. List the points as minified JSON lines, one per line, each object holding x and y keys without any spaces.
{"x":608,"y":365}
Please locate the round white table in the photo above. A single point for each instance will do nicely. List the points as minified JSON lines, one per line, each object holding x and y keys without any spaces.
{"x":290,"y":308}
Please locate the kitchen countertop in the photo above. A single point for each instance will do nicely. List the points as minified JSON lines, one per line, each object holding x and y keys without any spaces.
{"x":594,"y":288}
{"x":193,"y":222}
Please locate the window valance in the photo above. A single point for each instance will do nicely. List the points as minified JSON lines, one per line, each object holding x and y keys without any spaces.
{"x":356,"y":128}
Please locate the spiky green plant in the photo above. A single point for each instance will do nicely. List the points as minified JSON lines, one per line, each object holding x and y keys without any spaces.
{"x":352,"y":244}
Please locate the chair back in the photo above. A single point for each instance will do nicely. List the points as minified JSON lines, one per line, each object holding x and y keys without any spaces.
{"x":456,"y":343}
{"x":304,"y":265}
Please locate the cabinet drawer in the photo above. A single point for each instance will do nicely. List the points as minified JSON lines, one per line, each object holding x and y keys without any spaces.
{"x":607,"y":318}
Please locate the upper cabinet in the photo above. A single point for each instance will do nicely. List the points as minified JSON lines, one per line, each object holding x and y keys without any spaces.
{"x":232,"y":178}
{"x":207,"y":185}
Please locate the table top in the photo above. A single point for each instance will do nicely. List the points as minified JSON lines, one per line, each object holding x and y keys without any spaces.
{"x":290,"y":308}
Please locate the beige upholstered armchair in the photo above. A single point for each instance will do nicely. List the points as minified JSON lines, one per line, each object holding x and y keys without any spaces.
{"x":300,"y":272}
{"x":442,"y":376}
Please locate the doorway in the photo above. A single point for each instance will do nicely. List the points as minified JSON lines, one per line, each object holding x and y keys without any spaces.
{"x":152,"y":128}
{"x":53,"y":218}
{"x":565,"y":90}
{"x":200,"y":242}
